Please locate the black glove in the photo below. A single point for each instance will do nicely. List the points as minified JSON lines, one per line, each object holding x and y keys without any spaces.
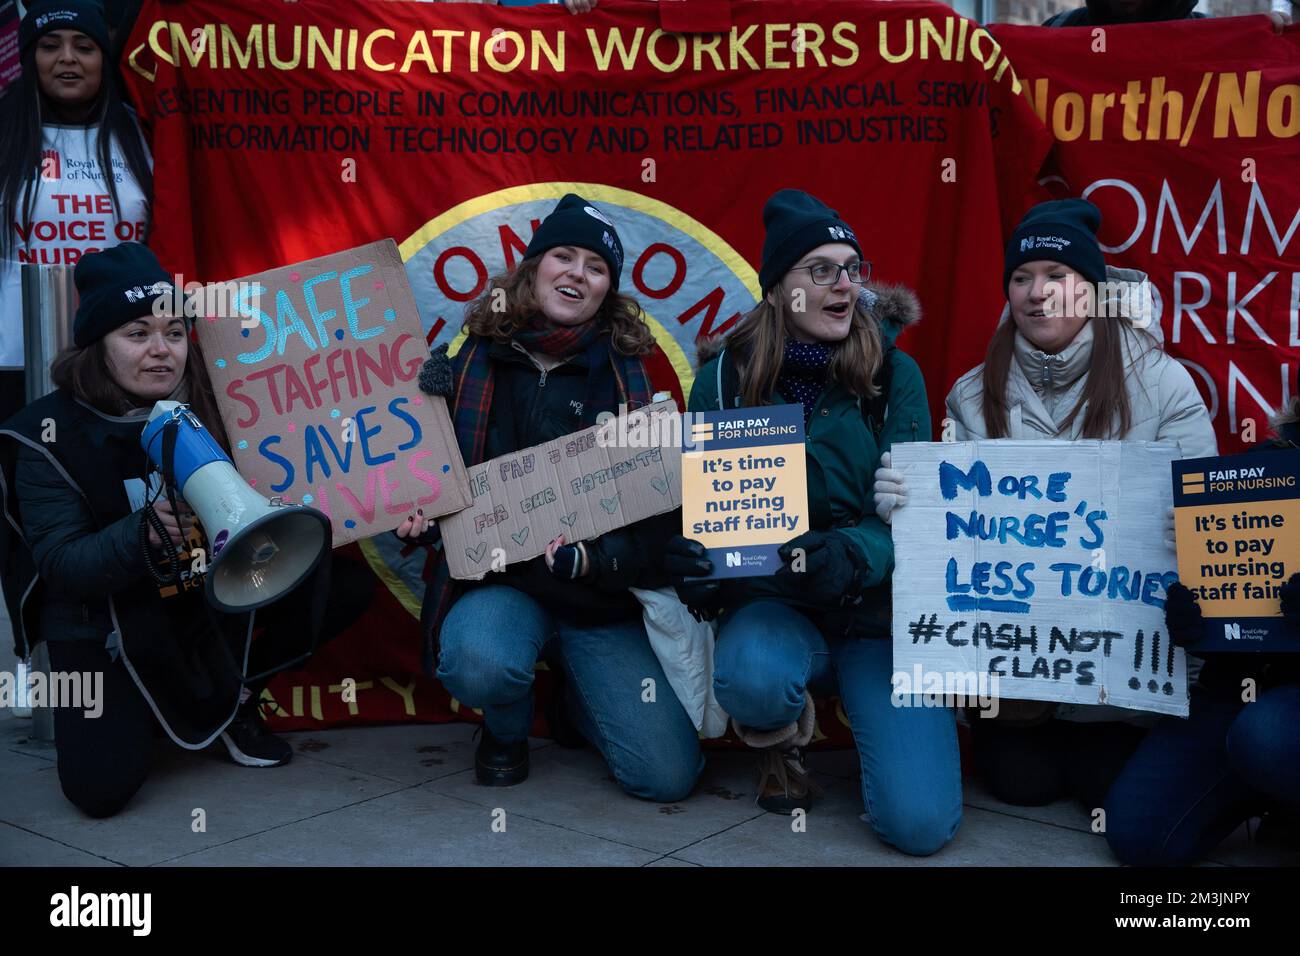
{"x":1183,"y":617}
{"x":435,"y":373}
{"x":830,"y":574}
{"x":567,"y":563}
{"x":685,"y":560}
{"x":1290,"y":594}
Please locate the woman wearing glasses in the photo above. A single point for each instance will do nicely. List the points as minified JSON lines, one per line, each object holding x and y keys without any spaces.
{"x":819,"y":338}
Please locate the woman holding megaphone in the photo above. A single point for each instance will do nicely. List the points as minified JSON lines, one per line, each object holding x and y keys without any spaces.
{"x":1076,"y":355}
{"x":821,"y":339}
{"x":551,"y":345}
{"x":80,"y":575}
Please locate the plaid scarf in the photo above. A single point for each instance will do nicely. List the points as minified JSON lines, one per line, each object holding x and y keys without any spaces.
{"x":612,"y":378}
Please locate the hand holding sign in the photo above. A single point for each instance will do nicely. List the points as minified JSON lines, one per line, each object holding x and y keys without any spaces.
{"x":821,"y":568}
{"x":890,"y":490}
{"x":687,"y":562}
{"x":1290,"y":597}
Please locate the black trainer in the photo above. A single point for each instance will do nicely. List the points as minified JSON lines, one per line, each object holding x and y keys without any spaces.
{"x":498,"y":764}
{"x":250,"y":744}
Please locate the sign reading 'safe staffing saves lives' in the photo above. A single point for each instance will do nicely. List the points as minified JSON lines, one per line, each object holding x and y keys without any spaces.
{"x":1043,"y":563}
{"x":744,"y":487}
{"x":1237,"y":521}
{"x":316,"y":382}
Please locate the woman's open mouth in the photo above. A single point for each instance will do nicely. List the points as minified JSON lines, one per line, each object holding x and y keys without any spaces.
{"x":839,"y":309}
{"x":569,"y":292}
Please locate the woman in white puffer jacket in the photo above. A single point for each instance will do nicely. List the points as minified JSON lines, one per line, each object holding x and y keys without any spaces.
{"x":1077,"y":355}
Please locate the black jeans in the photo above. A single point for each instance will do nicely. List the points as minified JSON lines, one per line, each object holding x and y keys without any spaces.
{"x":1037,"y":765}
{"x":104,"y":760}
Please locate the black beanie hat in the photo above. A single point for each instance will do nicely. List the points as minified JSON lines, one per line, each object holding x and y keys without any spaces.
{"x":44,"y":16}
{"x":576,"y":222}
{"x":116,"y":286}
{"x":795,"y":222}
{"x":1064,"y":231}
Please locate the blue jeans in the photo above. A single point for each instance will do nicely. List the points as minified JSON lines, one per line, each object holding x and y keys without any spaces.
{"x":494,"y":635}
{"x":1193,"y":781}
{"x":768,"y":654}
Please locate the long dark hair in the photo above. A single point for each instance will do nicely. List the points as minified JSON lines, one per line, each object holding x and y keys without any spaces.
{"x":759,"y":343}
{"x":22,"y":107}
{"x":1105,"y":393}
{"x":85,"y":373}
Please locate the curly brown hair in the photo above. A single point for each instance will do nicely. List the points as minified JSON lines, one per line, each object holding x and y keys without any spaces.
{"x":498,"y":315}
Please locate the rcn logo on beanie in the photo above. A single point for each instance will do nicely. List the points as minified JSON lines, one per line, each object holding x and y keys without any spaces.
{"x":1055,"y":243}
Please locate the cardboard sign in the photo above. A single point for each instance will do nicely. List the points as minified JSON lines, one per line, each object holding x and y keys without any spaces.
{"x":744,"y":487}
{"x":582,"y":485}
{"x":1042,"y":563}
{"x":1237,"y":521}
{"x":316,"y":382}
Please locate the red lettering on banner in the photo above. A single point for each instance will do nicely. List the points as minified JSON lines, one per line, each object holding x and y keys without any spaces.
{"x":679,"y":271}
{"x":511,"y":243}
{"x":440,"y":273}
{"x":712,"y":302}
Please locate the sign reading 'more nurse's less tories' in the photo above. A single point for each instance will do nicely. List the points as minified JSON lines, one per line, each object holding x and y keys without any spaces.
{"x":1041,"y":562}
{"x":744,"y":488}
{"x":1237,"y":521}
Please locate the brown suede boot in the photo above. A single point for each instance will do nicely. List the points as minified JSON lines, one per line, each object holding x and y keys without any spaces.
{"x":784,"y":781}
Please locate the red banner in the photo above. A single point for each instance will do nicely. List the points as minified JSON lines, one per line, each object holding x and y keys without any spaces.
{"x":1185,"y":134}
{"x":287,"y":131}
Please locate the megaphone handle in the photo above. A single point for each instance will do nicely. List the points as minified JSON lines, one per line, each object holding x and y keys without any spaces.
{"x":151,"y":518}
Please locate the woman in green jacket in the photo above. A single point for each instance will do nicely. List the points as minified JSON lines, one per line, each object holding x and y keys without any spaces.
{"x":819,"y":338}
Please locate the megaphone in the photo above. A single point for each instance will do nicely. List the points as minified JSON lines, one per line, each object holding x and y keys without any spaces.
{"x":261,"y":550}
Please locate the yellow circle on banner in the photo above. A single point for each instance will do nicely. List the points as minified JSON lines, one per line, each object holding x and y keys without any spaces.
{"x":613,"y":196}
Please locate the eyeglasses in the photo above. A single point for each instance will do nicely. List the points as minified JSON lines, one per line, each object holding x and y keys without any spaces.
{"x":828,"y":273}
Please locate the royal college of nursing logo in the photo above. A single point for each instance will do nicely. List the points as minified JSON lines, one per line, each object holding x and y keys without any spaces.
{"x":688,"y":280}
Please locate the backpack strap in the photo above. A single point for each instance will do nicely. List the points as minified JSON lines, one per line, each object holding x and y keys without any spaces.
{"x":728,"y":382}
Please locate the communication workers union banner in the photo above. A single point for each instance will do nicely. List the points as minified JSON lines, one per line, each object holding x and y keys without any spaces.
{"x":284,"y":132}
{"x":287,"y":131}
{"x":1187,"y":135}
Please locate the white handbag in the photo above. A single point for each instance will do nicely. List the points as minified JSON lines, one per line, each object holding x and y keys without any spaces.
{"x":684,"y":647}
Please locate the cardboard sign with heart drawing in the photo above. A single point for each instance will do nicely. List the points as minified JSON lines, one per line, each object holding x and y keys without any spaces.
{"x":582,"y":486}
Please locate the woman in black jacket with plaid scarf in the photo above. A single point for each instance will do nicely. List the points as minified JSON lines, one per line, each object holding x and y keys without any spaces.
{"x":552,"y":345}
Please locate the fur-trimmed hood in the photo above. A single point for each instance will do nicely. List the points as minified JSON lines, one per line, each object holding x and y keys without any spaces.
{"x":895,"y":307}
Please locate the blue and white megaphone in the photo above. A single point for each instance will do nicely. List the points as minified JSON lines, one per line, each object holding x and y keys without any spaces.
{"x":261,"y":550}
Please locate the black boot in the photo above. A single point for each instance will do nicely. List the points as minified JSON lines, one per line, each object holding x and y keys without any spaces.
{"x":498,"y":764}
{"x":248,"y":741}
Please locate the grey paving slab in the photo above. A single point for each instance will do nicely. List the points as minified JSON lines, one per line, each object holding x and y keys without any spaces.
{"x":417,"y":827}
{"x":405,"y":753}
{"x":1069,"y":814}
{"x":1239,"y":849}
{"x":21,"y":848}
{"x":157,"y":824}
{"x":836,"y":836}
{"x":15,"y":735}
{"x":572,"y":788}
{"x":672,"y":861}
{"x":15,"y":767}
